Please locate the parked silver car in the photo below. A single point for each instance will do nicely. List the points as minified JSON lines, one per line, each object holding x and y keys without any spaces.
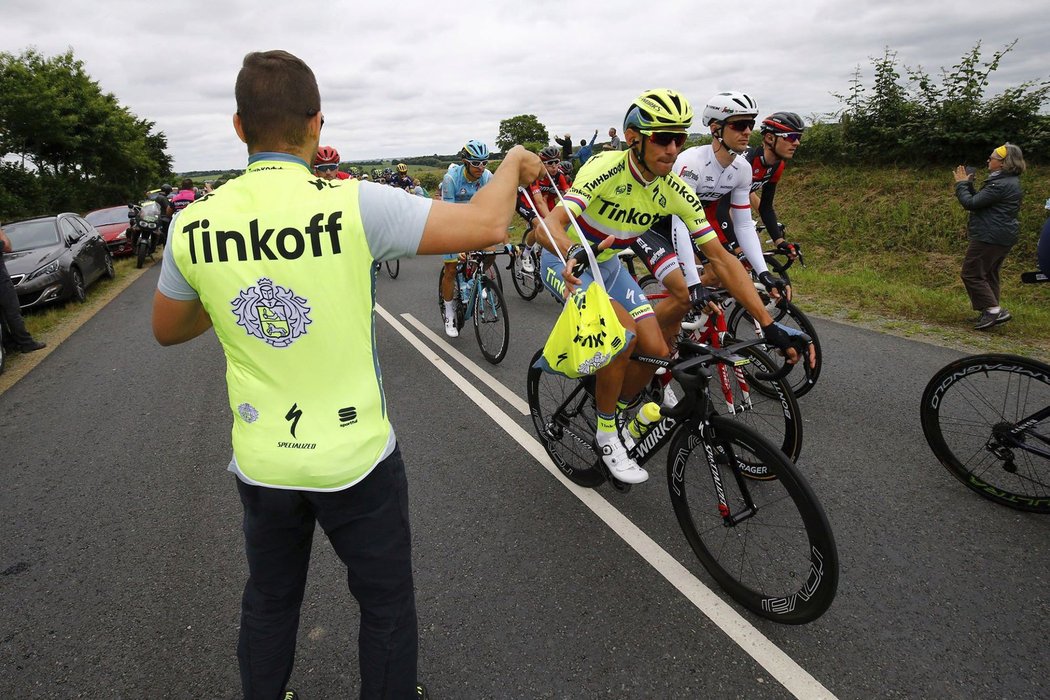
{"x":55,"y":258}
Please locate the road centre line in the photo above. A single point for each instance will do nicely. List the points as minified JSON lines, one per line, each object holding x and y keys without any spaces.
{"x":471,"y":366}
{"x":768,"y":655}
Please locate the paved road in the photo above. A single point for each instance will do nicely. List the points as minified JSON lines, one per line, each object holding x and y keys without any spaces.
{"x":121,"y":561}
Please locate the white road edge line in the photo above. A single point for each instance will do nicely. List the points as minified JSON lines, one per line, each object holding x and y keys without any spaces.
{"x":471,"y":366}
{"x":768,"y":655}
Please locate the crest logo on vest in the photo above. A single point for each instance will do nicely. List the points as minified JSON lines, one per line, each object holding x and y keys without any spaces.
{"x":271,"y":313}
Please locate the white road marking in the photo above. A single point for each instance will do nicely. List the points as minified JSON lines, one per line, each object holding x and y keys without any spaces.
{"x":768,"y":655}
{"x":491,"y":382}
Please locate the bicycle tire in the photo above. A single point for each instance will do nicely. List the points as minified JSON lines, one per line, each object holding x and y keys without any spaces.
{"x":393,"y":268}
{"x":563,"y":414}
{"x":966,"y":408}
{"x":780,"y":563}
{"x":740,"y":324}
{"x":526,"y":284}
{"x":773,"y":412}
{"x":491,"y":322}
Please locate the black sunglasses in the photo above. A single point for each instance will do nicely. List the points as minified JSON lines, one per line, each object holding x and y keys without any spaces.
{"x":666,"y":138}
{"x":742,"y":125}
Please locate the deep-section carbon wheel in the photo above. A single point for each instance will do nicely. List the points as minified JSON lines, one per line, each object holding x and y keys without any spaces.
{"x":769,"y":545}
{"x":987,"y":418}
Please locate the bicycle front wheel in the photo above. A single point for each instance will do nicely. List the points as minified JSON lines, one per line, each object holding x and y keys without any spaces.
{"x":768,"y":543}
{"x":564,"y":416}
{"x":393,"y":268}
{"x":526,"y":283}
{"x":491,"y":323}
{"x":980,"y":417}
{"x":741,"y":325}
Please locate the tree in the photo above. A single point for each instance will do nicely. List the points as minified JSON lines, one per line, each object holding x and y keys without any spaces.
{"x":83,"y":147}
{"x":523,"y":128}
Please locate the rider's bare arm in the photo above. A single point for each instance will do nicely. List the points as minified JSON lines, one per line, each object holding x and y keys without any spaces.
{"x":734,"y":277}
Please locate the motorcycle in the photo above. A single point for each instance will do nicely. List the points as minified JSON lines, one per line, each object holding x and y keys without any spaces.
{"x":144,"y":229}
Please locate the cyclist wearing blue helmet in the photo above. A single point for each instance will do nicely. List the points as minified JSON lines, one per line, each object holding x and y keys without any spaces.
{"x":461,"y":182}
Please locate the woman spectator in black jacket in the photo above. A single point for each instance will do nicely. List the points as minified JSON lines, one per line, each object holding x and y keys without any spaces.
{"x":993,"y":229}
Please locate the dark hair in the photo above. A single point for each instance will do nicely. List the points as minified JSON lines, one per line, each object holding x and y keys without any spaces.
{"x":276,"y":95}
{"x":186,"y":184}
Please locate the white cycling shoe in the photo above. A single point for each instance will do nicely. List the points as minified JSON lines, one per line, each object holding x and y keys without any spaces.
{"x":622,"y":467}
{"x":450,"y":328}
{"x":526,"y":262}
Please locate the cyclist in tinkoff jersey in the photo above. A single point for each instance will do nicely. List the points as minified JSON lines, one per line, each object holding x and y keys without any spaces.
{"x":461,"y":182}
{"x":781,"y":136}
{"x":713,"y":172}
{"x":616,"y":197}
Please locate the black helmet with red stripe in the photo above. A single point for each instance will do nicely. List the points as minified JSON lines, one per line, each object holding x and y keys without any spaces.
{"x":782,"y":123}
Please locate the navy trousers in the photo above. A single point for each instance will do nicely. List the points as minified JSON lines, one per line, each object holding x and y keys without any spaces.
{"x":368,"y":527}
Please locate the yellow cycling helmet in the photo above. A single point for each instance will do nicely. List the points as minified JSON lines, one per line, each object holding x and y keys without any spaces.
{"x":659,"y":110}
{"x":402,"y":168}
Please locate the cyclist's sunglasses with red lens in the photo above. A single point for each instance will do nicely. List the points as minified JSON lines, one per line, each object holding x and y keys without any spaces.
{"x":666,"y":138}
{"x":742,"y":125}
{"x":793,"y":137}
{"x":326,"y":168}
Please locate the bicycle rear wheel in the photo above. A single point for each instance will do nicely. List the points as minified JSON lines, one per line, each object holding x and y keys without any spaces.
{"x":741,"y":325}
{"x":564,"y":417}
{"x":491,"y":322}
{"x":393,"y":268}
{"x":527,"y":284}
{"x":772,"y":550}
{"x":970,"y":411}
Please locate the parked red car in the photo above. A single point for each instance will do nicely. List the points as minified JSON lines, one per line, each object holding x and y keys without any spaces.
{"x":112,"y":223}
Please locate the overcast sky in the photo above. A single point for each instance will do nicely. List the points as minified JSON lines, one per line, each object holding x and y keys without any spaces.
{"x":405,"y":77}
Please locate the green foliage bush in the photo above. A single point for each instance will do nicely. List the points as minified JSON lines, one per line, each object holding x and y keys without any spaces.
{"x":925,"y":119}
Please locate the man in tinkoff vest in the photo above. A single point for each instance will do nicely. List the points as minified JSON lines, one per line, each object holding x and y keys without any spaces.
{"x":280,"y":263}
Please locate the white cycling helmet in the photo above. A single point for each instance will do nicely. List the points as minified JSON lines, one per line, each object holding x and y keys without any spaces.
{"x":729,"y":104}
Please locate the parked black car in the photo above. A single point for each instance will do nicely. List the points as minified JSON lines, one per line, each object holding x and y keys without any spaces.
{"x":55,"y":258}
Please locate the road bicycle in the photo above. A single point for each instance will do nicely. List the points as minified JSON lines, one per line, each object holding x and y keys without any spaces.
{"x":748,"y":515}
{"x":768,"y":406}
{"x":987,"y":419}
{"x":739,"y":322}
{"x":479,"y":298}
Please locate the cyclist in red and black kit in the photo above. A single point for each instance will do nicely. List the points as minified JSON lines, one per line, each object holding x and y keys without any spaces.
{"x":544,"y":198}
{"x":781,"y":136}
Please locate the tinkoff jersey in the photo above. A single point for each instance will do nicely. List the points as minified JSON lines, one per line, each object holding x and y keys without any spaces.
{"x":611,"y":198}
{"x":283,"y":263}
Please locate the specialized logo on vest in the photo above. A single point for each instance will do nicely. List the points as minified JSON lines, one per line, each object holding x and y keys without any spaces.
{"x":271,"y":313}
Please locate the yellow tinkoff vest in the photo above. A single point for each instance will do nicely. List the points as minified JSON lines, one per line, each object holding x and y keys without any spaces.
{"x":279,"y":259}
